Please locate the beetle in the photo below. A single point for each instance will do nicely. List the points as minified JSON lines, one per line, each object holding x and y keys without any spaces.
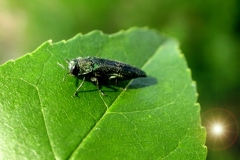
{"x":95,"y":69}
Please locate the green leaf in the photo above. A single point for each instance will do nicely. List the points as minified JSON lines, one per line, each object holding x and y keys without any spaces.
{"x":156,"y":117}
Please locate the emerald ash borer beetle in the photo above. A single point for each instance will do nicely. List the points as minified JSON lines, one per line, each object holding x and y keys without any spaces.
{"x":100,"y":69}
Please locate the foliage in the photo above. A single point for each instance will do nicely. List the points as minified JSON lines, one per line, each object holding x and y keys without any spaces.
{"x":154,"y":118}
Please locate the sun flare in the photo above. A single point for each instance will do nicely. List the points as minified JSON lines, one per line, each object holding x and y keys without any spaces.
{"x":222,"y":128}
{"x":218,"y":129}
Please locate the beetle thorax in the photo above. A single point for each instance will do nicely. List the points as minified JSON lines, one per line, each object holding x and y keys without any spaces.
{"x":85,"y":67}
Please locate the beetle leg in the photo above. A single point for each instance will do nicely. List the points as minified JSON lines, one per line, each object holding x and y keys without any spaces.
{"x":94,"y":79}
{"x":75,"y":94}
{"x":113,"y":77}
{"x":116,"y":82}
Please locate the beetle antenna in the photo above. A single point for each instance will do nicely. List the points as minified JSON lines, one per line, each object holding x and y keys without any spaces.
{"x":63,"y":68}
{"x":61,"y":65}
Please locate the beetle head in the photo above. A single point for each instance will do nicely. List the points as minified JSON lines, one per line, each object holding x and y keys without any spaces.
{"x":79,"y":66}
{"x":73,"y":67}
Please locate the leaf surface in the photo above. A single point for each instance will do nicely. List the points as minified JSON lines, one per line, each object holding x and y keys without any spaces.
{"x":156,"y":117}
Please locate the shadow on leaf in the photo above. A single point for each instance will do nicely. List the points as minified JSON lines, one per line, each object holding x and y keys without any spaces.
{"x":142,"y":82}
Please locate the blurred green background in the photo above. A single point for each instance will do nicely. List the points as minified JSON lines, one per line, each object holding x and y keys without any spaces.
{"x":208,"y":31}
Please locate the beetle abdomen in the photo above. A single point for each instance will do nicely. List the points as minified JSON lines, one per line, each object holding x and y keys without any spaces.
{"x":118,"y":69}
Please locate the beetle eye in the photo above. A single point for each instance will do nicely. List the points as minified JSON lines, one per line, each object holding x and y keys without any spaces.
{"x":71,"y":66}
